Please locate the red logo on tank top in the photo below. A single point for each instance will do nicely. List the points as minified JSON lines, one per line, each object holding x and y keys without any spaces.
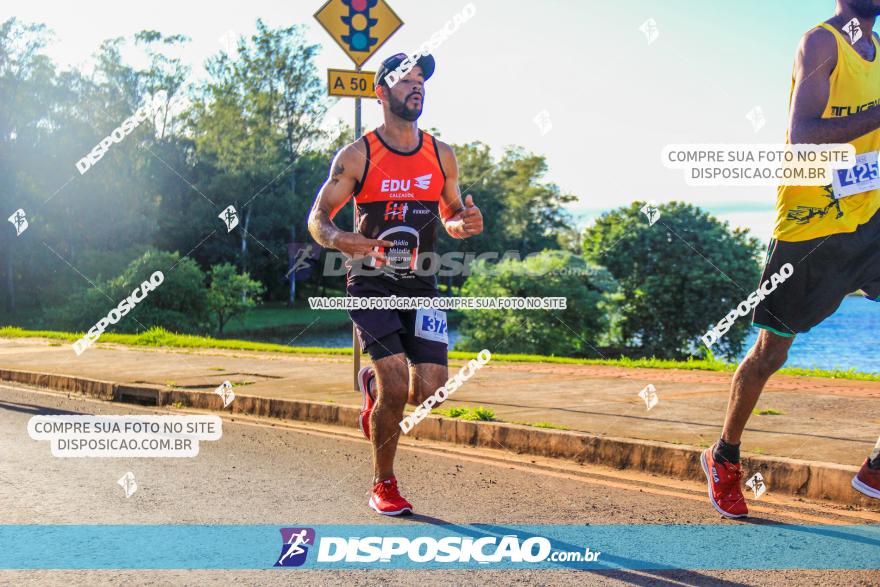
{"x":396,"y":211}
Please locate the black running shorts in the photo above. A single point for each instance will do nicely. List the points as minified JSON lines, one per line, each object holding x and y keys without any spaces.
{"x":826,"y":270}
{"x":421,"y":335}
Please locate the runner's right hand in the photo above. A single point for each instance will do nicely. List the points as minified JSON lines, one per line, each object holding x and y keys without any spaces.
{"x":356,"y":245}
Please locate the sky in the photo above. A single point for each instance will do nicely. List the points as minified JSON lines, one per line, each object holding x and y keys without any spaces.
{"x":613,"y":99}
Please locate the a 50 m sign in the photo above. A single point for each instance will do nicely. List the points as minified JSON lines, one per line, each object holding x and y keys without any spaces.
{"x":352,"y":84}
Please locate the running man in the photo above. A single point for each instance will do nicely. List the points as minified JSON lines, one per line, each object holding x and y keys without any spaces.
{"x":831,"y":235}
{"x":405,"y":183}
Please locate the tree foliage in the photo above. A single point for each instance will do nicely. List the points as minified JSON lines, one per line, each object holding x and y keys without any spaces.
{"x":251,"y":134}
{"x":230,"y":294}
{"x":677,"y":278}
{"x":178,"y":304}
{"x":242,"y":136}
{"x":574,"y":331}
{"x":522,"y":212}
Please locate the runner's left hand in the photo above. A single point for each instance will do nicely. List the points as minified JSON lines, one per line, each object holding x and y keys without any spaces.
{"x":471,"y":218}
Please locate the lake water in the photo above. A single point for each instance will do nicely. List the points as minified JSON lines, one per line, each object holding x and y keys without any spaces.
{"x":845,"y":340}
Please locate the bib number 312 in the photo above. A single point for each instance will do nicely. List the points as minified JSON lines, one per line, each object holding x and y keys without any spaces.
{"x":431,"y":325}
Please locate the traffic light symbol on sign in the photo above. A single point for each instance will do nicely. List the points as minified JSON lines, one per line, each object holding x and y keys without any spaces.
{"x":359,"y":24}
{"x":359,"y":27}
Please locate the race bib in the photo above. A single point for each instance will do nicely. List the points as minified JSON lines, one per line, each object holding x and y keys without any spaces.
{"x":863,"y":177}
{"x":431,"y":325}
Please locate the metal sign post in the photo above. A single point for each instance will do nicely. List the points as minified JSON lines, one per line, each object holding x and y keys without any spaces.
{"x":355,"y":345}
{"x":359,"y":27}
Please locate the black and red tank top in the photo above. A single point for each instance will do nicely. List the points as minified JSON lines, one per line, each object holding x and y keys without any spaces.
{"x":399,"y":200}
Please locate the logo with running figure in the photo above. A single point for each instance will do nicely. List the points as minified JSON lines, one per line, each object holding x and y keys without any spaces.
{"x":854,"y":29}
{"x":652,"y":211}
{"x":295,"y":543}
{"x":19,"y":221}
{"x":128,"y":484}
{"x":301,"y":260}
{"x":396,"y":211}
{"x":756,"y":117}
{"x":650,"y":29}
{"x":229,"y":216}
{"x":757,"y":485}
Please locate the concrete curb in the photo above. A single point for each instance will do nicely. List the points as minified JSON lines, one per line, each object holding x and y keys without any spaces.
{"x":808,"y":479}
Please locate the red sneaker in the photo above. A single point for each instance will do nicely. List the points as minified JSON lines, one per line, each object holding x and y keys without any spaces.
{"x":367,"y":385}
{"x":867,"y":481}
{"x":386,"y":499}
{"x":724,"y":485}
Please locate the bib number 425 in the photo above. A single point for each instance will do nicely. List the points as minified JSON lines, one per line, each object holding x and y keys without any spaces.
{"x":863,"y":177}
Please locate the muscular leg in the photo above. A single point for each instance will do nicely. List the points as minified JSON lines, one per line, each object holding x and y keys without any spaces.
{"x":763,"y":360}
{"x":424,"y":380}
{"x":392,"y":378}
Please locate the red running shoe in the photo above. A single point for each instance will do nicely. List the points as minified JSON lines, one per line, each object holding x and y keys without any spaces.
{"x":386,"y":499}
{"x":724,"y":485}
{"x":867,"y":481}
{"x":367,"y":385}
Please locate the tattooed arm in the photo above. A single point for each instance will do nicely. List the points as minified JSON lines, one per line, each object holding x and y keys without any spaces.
{"x":345,"y":172}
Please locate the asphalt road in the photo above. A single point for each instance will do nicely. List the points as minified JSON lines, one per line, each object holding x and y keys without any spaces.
{"x":264,"y":472}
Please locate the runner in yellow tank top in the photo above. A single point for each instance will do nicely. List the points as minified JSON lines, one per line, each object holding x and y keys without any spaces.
{"x":826,"y":238}
{"x":806,"y":212}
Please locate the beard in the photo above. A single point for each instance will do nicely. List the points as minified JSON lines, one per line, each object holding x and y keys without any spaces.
{"x":864,"y":8}
{"x":399,"y":108}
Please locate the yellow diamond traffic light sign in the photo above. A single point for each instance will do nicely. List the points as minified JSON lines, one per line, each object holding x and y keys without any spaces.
{"x":360,"y":27}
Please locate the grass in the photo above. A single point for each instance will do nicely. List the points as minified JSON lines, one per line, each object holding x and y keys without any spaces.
{"x":159,"y":337}
{"x":547,"y":425}
{"x":278,"y":315}
{"x":270,"y":316}
{"x":467,"y":413}
{"x":689,"y":365}
{"x":767,"y":412}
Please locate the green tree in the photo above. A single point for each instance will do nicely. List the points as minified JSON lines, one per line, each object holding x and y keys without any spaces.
{"x":256,"y":115}
{"x":574,"y":331}
{"x":230,"y":294}
{"x":521,"y":212}
{"x":678,"y":277}
{"x":178,"y":304}
{"x":94,"y":224}
{"x":27,"y":98}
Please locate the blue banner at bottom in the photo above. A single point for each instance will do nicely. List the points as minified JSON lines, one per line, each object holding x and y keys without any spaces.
{"x":412,"y":545}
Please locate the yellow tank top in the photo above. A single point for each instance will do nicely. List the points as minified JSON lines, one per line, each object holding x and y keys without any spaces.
{"x":807,"y":212}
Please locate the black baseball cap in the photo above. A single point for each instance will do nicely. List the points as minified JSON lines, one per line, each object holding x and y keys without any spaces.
{"x":426,"y":62}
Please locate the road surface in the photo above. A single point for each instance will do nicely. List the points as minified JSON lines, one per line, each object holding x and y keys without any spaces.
{"x":285,"y":473}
